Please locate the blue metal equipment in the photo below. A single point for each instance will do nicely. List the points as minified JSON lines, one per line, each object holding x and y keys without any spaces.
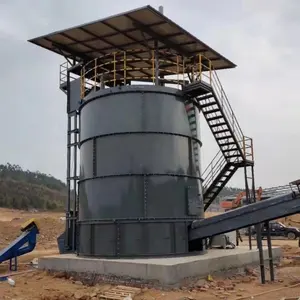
{"x":23,"y":244}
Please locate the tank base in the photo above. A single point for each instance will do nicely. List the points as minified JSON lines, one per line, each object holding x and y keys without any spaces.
{"x":166,"y":271}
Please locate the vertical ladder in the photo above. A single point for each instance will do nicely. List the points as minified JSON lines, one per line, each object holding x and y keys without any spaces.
{"x":65,"y":80}
{"x":72,"y":179}
{"x":192,"y":118}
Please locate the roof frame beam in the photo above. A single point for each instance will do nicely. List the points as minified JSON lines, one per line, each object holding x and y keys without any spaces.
{"x":133,"y":39}
{"x":129,"y":37}
{"x":154,"y":35}
{"x":107,"y":42}
{"x":73,"y":53}
{"x":83,"y":43}
{"x":147,"y":40}
{"x":125,"y":34}
{"x":113,"y":34}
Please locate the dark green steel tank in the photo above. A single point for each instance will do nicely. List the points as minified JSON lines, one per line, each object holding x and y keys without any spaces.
{"x":139,"y":190}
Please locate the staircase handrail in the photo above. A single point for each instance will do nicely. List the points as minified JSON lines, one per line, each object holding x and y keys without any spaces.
{"x":215,"y":166}
{"x":213,"y":169}
{"x":226,"y":107}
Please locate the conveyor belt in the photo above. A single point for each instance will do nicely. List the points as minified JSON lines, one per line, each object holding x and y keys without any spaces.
{"x":270,"y":209}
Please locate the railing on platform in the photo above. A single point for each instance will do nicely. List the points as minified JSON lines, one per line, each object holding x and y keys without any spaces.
{"x":63,"y":73}
{"x":122,"y":67}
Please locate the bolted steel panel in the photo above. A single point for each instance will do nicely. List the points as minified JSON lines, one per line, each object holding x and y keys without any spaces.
{"x":134,"y":110}
{"x":137,"y":163}
{"x":111,"y":197}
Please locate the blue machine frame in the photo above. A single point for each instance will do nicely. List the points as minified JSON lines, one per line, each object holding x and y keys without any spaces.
{"x":18,"y":247}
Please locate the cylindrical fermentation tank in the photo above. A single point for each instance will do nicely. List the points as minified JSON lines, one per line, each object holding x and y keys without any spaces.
{"x":138,"y":188}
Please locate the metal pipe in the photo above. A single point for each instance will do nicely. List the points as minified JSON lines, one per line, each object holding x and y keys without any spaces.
{"x":271,"y":264}
{"x":260,"y":252}
{"x":248,"y":201}
{"x":161,"y":9}
{"x":156,"y":63}
{"x":68,"y":204}
{"x":257,"y":229}
{"x":75,"y":181}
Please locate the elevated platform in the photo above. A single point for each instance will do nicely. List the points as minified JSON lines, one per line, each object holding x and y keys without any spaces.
{"x":167,"y":271}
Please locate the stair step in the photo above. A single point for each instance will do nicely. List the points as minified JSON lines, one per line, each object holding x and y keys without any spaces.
{"x":233,"y":156}
{"x":210,"y":111}
{"x":219,"y":124}
{"x":224,"y":137}
{"x":205,"y":97}
{"x":229,"y":150}
{"x":221,"y":131}
{"x":227,"y":144}
{"x":204,"y":105}
{"x":214,"y":118}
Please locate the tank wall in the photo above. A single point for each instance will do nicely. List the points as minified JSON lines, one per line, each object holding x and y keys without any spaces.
{"x":123,"y":197}
{"x":137,"y":153}
{"x":133,"y":112}
{"x":138,"y":188}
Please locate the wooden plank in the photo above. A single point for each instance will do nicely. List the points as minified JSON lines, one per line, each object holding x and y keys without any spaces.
{"x":128,"y":288}
{"x":120,"y":292}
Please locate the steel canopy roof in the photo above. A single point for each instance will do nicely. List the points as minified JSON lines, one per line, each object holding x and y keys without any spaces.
{"x":136,"y":29}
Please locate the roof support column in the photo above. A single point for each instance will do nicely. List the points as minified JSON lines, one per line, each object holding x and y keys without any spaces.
{"x":156,"y":55}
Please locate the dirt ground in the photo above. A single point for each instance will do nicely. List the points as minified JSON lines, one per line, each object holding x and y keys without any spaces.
{"x":40,"y":285}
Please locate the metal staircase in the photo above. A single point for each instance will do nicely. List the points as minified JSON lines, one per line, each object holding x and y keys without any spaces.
{"x":236,"y":150}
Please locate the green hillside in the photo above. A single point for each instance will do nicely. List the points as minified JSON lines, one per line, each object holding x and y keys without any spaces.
{"x":22,"y":189}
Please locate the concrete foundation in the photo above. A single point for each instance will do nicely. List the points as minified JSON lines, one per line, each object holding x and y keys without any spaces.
{"x":165,"y":270}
